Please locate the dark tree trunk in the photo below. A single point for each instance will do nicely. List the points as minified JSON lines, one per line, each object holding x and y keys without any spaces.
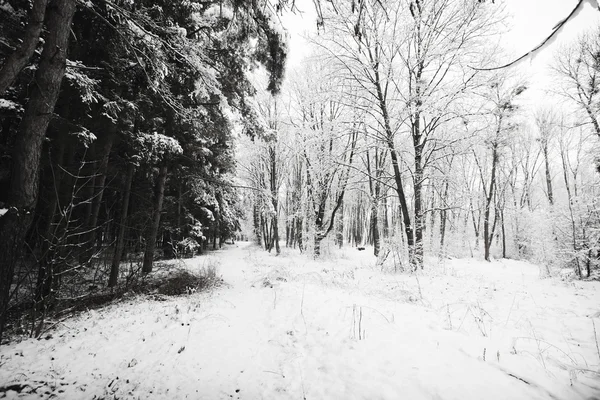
{"x":299,"y":234}
{"x":340,"y":227}
{"x":116,"y":261}
{"x":487,"y":235}
{"x":99,"y":182}
{"x":15,"y":223}
{"x":274,"y":198}
{"x":15,"y":63}
{"x":153,"y":231}
{"x":419,"y":222}
{"x":548,"y":175}
{"x":257,"y":224}
{"x":444,"y":216}
{"x":48,"y":247}
{"x":386,"y":225}
{"x":374,"y":228}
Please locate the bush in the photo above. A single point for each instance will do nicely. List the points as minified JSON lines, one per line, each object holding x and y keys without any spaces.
{"x":185,"y":282}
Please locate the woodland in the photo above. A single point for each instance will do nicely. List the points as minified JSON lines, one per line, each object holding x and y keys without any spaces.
{"x":139,"y":131}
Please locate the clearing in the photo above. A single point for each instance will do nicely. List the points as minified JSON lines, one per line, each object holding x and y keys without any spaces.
{"x":289,"y":327}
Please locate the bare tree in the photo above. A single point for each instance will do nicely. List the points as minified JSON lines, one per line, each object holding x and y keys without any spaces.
{"x":501,"y":95}
{"x":579,"y":67}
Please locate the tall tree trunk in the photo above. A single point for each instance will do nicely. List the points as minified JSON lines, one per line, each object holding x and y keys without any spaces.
{"x":15,"y":63}
{"x":548,"y":175}
{"x":28,"y":146}
{"x":374,"y":227}
{"x":503,"y":233}
{"x":153,"y":231}
{"x":116,"y":261}
{"x":48,"y":236}
{"x":299,"y":232}
{"x":274,"y":197}
{"x":487,"y":236}
{"x":257,"y":224}
{"x":417,"y":258}
{"x":444,"y":216}
{"x":99,"y":182}
{"x":339,"y":234}
{"x":386,"y":224}
{"x":48,"y":247}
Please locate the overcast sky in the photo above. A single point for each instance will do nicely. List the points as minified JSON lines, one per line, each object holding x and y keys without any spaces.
{"x":530,"y":22}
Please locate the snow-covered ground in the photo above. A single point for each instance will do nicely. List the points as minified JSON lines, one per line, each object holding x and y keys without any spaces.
{"x":289,"y":327}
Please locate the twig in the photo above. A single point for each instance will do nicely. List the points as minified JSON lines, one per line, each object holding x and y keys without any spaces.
{"x":510,"y":311}
{"x":596,"y":338}
{"x":516,"y":377}
{"x":276,"y":373}
{"x":302,"y":308}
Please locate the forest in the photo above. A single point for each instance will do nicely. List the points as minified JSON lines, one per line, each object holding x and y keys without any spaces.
{"x":139,"y":135}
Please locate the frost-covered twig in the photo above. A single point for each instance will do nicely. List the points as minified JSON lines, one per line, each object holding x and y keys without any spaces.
{"x":596,"y":338}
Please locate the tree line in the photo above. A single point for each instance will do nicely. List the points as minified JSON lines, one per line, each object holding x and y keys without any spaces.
{"x":399,"y":132}
{"x":117,"y":133}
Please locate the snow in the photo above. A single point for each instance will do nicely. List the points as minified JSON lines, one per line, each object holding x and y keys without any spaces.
{"x":290,"y":327}
{"x":10,"y":105}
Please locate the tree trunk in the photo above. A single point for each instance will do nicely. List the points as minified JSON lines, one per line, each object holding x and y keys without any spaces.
{"x":317,"y":245}
{"x":374,"y":228}
{"x":26,"y":154}
{"x":15,"y":63}
{"x":257,"y":224}
{"x":417,"y":258}
{"x":444,"y":216}
{"x":548,"y":175}
{"x":299,"y":231}
{"x":48,"y":247}
{"x":487,"y":237}
{"x":386,"y":225}
{"x":274,"y":198}
{"x":99,"y":182}
{"x":114,"y":269}
{"x":339,"y":234}
{"x":153,"y":231}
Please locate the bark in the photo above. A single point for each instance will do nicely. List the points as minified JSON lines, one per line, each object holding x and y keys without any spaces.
{"x":374,"y":228}
{"x":340,"y":227}
{"x":15,"y":63}
{"x":274,"y":197}
{"x":48,"y":247}
{"x":114,"y":269}
{"x":548,"y":175}
{"x":15,"y":223}
{"x":386,"y":225}
{"x":417,"y":258}
{"x":503,"y":233}
{"x":299,"y":234}
{"x":444,"y":216}
{"x":257,"y":224}
{"x":99,"y":183}
{"x":153,"y":231}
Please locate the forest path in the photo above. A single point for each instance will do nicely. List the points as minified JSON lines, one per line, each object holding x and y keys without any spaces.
{"x":290,"y":328}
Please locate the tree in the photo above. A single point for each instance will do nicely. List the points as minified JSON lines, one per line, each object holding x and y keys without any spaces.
{"x":501,"y":95}
{"x":326,"y":138}
{"x":25,"y":174}
{"x":579,"y":68}
{"x":177,"y":68}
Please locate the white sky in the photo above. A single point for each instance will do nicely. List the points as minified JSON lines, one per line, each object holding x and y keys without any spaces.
{"x":530,"y":22}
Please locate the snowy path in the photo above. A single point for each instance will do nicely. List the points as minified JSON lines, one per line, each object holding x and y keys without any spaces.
{"x":291,"y":328}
